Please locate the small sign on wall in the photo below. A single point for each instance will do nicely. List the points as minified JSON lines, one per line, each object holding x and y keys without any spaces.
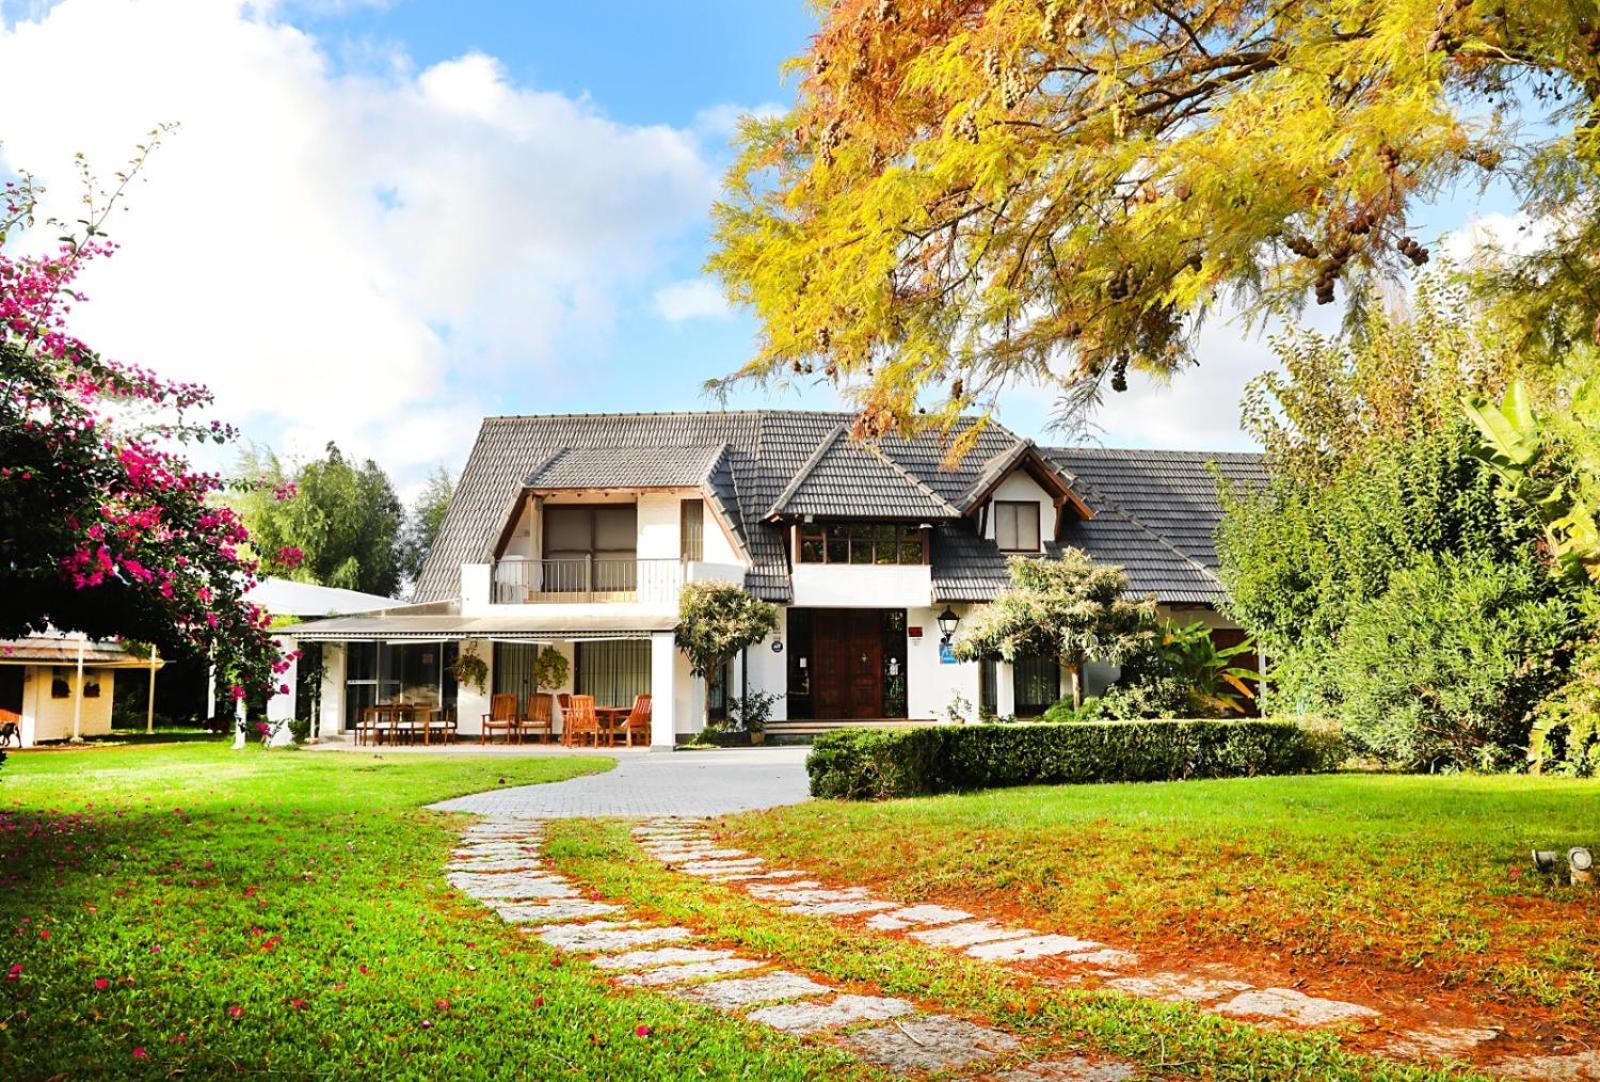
{"x":947,"y":654}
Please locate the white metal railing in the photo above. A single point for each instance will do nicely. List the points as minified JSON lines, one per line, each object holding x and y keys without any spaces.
{"x":586,"y":579}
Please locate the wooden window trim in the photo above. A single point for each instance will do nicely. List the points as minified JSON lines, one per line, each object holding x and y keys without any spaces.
{"x":818,"y":533}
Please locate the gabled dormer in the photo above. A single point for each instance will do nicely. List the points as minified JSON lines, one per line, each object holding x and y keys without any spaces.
{"x":1020,"y":501}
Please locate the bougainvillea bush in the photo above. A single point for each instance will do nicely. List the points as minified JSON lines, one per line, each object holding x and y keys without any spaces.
{"x":104,"y":526}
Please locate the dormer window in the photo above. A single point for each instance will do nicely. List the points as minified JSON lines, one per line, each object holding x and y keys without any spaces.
{"x":862,"y":543}
{"x":1016,"y":525}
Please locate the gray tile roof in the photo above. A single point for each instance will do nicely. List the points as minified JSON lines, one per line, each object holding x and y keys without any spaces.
{"x":1155,"y":511}
{"x":844,"y":478}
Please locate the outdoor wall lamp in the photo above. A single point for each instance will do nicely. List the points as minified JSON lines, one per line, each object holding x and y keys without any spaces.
{"x":948,"y":621}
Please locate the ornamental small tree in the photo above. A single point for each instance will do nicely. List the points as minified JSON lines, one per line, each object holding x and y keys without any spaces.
{"x":715,"y":621}
{"x":104,"y":527}
{"x":1071,"y":608}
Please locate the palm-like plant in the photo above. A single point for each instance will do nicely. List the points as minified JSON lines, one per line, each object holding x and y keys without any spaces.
{"x":1214,"y":681}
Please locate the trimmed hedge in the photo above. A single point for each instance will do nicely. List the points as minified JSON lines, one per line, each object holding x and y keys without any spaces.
{"x":864,"y":764}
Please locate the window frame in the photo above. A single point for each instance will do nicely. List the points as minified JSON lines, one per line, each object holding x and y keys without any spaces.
{"x":858,"y":543}
{"x":1029,"y":511}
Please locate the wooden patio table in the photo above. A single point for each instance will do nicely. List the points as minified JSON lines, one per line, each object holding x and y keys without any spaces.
{"x":611,"y":719}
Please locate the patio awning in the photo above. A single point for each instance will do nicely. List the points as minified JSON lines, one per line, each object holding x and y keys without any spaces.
{"x":442,"y":626}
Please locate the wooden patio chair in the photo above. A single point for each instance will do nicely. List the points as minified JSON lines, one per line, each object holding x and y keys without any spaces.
{"x":582,"y":721}
{"x":564,"y":701}
{"x":502,"y":715}
{"x":448,"y":726}
{"x":639,"y":720}
{"x":539,"y":719}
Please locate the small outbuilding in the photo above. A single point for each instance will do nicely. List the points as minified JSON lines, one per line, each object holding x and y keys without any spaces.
{"x":59,"y":687}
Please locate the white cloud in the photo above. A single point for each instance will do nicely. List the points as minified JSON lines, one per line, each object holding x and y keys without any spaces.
{"x":1498,"y":234}
{"x":692,"y":298}
{"x":354,"y":257}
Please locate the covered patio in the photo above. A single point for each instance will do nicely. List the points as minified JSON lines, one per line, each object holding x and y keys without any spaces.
{"x":391,"y":679}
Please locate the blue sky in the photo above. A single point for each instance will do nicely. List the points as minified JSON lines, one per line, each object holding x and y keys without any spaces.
{"x":380,"y":221}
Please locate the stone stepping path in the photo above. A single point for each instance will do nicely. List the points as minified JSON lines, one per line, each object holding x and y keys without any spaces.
{"x":688,"y":847}
{"x":498,"y":863}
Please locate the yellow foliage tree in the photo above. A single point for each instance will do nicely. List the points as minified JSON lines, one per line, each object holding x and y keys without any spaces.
{"x":974,"y":192}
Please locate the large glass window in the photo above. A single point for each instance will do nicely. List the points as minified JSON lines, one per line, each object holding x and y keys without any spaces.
{"x":862,"y":543}
{"x":378,"y":673}
{"x":513,"y":669}
{"x":590,"y":548}
{"x":613,"y":672}
{"x":1016,"y":525}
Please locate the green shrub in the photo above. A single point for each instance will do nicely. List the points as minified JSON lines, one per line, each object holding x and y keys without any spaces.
{"x":1444,"y":669}
{"x":869,"y":763}
{"x":300,"y":729}
{"x":1566,"y":727}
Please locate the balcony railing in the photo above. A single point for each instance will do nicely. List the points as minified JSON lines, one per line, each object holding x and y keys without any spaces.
{"x":589,"y":579}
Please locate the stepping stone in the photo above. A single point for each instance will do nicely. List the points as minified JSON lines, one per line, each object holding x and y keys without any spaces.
{"x":603,"y":936}
{"x":808,"y":896}
{"x":764,"y":890}
{"x":675,"y":855}
{"x":965,"y":935}
{"x":839,"y":909}
{"x":693,"y":971}
{"x":559,"y":909}
{"x":1440,"y":1042}
{"x":1072,"y":1069}
{"x":1038,"y":946}
{"x":843,"y":1011}
{"x":782,"y":873}
{"x":1176,"y":987}
{"x":493,"y":866}
{"x":497,"y":851}
{"x":744,"y":991}
{"x":664,"y":956}
{"x":1292,"y":1006}
{"x":917,"y":914}
{"x":1108,"y":958}
{"x":932,"y":1042}
{"x":715,"y":867}
{"x":513,"y":886}
{"x":1582,"y":1067}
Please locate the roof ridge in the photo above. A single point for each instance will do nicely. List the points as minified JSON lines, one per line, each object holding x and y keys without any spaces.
{"x":1170,"y":452}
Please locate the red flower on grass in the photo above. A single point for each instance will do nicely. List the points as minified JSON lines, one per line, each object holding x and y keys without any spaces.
{"x":235,"y":1011}
{"x":642,"y":1031}
{"x":298,"y":1004}
{"x":140,"y":1053}
{"x":442,"y":1004}
{"x":15,"y":972}
{"x":101,"y":984}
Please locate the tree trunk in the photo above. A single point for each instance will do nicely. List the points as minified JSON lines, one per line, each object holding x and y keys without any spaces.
{"x":1077,"y":685}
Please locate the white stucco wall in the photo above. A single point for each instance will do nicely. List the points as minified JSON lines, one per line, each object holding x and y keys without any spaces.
{"x":658,"y":526}
{"x":855,"y":586}
{"x":931,"y":684}
{"x":45,"y":718}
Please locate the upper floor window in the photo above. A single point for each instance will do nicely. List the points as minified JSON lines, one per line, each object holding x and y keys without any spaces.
{"x":597,"y":530}
{"x":861,"y":543}
{"x":692,"y":530}
{"x":1016,"y":525}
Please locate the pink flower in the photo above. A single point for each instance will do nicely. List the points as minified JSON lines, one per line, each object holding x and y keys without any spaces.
{"x":15,"y":972}
{"x":442,"y":1004}
{"x":298,"y":1004}
{"x":140,"y":1053}
{"x":235,"y":1011}
{"x":641,"y":1031}
{"x":101,"y":984}
{"x":538,"y":1001}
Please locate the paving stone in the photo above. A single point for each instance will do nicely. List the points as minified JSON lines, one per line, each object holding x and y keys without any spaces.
{"x":1108,"y":957}
{"x":496,"y":851}
{"x":1071,"y":1069}
{"x":603,"y":936}
{"x":1293,"y":1006}
{"x":674,"y":855}
{"x":762,"y":877}
{"x":1177,"y":987}
{"x":744,"y":991}
{"x":914,"y":915}
{"x":965,"y":935}
{"x":651,"y":978}
{"x":714,"y":867}
{"x":929,"y":1043}
{"x":494,"y":866}
{"x":1582,"y":1067}
{"x":512,"y":886}
{"x":665,"y":956}
{"x":1038,"y":946}
{"x":558,"y":909}
{"x":839,"y":909}
{"x":812,"y":895}
{"x":1440,"y":1042}
{"x":809,"y":1017}
{"x":764,"y":890}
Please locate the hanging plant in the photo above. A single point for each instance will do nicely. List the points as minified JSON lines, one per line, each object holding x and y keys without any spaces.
{"x":469,"y":669}
{"x":549,"y":670}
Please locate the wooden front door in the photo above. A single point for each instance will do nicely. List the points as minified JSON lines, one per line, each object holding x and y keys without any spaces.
{"x":848,"y":646}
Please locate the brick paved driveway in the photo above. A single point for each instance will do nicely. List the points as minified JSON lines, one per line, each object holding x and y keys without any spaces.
{"x":682,"y":783}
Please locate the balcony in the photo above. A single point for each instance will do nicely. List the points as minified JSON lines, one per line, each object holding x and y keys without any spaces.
{"x":587,"y":580}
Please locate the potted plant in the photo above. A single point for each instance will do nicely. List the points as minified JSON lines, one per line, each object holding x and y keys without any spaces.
{"x":751,"y":712}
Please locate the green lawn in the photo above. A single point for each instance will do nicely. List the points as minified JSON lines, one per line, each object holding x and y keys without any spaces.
{"x":1404,"y":885}
{"x":186,"y":909}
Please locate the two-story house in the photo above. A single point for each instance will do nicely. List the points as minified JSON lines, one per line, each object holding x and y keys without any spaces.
{"x":575,"y":533}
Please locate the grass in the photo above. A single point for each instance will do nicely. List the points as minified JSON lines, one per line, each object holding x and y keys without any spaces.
{"x":1412,"y":884}
{"x":185,"y":909}
{"x":1172,"y":1040}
